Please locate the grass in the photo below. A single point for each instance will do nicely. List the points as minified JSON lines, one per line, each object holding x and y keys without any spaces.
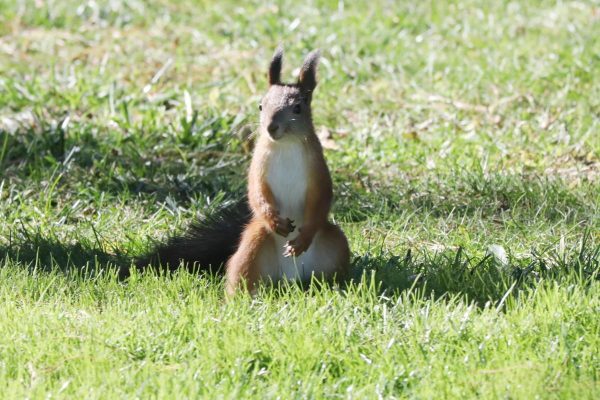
{"x":463,"y":141}
{"x":96,"y":338}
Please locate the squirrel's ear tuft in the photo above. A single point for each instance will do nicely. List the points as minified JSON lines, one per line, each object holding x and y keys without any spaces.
{"x":307,"y":80}
{"x":275,"y":67}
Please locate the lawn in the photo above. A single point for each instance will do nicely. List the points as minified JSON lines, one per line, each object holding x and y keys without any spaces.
{"x":464,"y":143}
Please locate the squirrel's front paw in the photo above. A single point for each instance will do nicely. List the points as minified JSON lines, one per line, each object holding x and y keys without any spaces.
{"x":282,"y":226}
{"x":296,"y":247}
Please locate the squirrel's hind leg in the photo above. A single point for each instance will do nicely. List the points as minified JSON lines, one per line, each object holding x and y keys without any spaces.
{"x":328,"y":257}
{"x":255,"y":251}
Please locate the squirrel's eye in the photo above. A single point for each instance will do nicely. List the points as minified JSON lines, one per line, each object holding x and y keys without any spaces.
{"x":296,"y":109}
{"x":260,"y":107}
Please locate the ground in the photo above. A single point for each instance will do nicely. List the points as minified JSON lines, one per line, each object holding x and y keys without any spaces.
{"x":463,"y":139}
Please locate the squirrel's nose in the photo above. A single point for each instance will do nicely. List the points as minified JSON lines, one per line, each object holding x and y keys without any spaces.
{"x":272,"y":128}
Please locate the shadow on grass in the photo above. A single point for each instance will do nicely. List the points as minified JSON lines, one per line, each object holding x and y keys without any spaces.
{"x":439,"y":275}
{"x":182,"y":165}
{"x":174,"y":166}
{"x":478,"y":279}
{"x":49,"y":254}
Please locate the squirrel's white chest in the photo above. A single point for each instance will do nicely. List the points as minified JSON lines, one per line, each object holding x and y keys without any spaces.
{"x":287,"y":175}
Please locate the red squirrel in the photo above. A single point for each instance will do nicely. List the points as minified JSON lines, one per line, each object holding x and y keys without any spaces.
{"x":282,"y":231}
{"x":289,"y":192}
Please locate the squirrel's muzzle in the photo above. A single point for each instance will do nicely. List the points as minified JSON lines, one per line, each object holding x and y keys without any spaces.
{"x":273,"y":129}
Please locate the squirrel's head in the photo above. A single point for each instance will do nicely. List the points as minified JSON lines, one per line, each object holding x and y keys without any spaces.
{"x":285,"y":109}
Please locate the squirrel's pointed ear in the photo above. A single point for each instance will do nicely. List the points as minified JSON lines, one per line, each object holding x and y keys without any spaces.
{"x":307,"y":80}
{"x":275,"y":67}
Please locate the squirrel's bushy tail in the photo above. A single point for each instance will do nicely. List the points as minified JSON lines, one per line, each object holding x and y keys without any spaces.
{"x":205,"y":246}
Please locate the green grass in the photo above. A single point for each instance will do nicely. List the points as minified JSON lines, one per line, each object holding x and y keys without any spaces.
{"x":466,"y":160}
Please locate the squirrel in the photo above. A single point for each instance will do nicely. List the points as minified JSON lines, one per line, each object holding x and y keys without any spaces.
{"x":282,"y":230}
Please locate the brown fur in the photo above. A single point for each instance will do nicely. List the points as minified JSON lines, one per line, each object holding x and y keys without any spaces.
{"x":240,"y":269}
